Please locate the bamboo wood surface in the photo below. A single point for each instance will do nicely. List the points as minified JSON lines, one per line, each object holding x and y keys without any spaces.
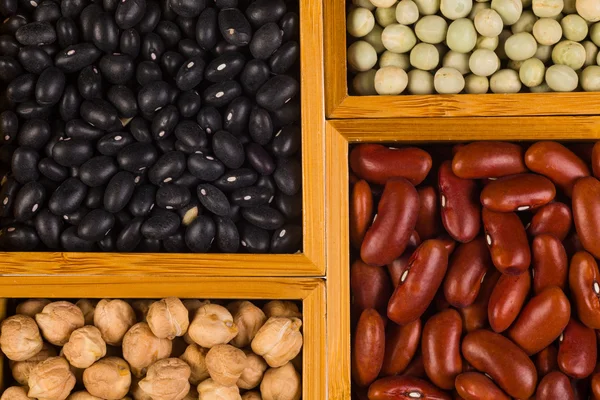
{"x":310,"y":263}
{"x":342,"y":133}
{"x":339,"y":104}
{"x":310,"y":291}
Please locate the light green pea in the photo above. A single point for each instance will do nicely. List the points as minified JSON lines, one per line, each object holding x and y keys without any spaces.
{"x":385,"y":16}
{"x":588,"y":9}
{"x":532,"y":72}
{"x":390,"y":81}
{"x":590,"y":79}
{"x":561,"y":78}
{"x":364,"y":83}
{"x":569,"y":53}
{"x":591,"y":52}
{"x":505,"y":81}
{"x":428,"y":7}
{"x":362,"y":56}
{"x":398,"y":38}
{"x":431,"y":29}
{"x":490,"y":43}
{"x":476,"y":84}
{"x":488,"y":23}
{"x":461,"y":35}
{"x":484,"y":62}
{"x":520,"y":46}
{"x":391,"y":59}
{"x":509,"y":10}
{"x":525,"y":23}
{"x":374,"y":39}
{"x":457,"y":61}
{"x":424,"y":56}
{"x":420,"y":82}
{"x":407,"y":12}
{"x":360,"y":22}
{"x":547,"y":8}
{"x":574,"y":27}
{"x":547,"y":31}
{"x":448,"y":81}
{"x":455,"y":9}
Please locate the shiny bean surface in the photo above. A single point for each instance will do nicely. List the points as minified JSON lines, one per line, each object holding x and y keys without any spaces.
{"x":405,"y":388}
{"x":584,"y":282}
{"x":368,"y":348}
{"x":507,"y":300}
{"x":477,"y":386}
{"x":507,"y":241}
{"x":401,"y":345}
{"x":577,"y":350}
{"x":481,"y":160}
{"x":518,"y":193}
{"x":550,"y":263}
{"x":586,"y":205}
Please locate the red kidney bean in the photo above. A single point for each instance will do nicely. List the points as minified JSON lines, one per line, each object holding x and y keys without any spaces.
{"x":377,"y":163}
{"x":428,"y":222}
{"x":401,"y":343}
{"x":361,"y":212}
{"x":405,"y":388}
{"x":546,"y":360}
{"x":577,"y":350}
{"x":480,"y":160}
{"x":466,"y":271}
{"x":368,"y":348}
{"x":595,"y":385}
{"x":502,"y":360}
{"x":507,"y":240}
{"x":585,"y":288}
{"x":441,"y":348}
{"x":477,"y":386}
{"x":586,"y":213}
{"x":541,"y":321}
{"x":475,"y":316}
{"x":555,"y":386}
{"x":553,"y":218}
{"x":459,"y":204}
{"x":518,"y":193}
{"x":507,"y":299}
{"x":596,"y":160}
{"x":397,"y":267}
{"x":449,"y":243}
{"x":419,"y":283}
{"x":371,"y":287}
{"x":556,"y":162}
{"x":550,"y":264}
{"x":394,"y":223}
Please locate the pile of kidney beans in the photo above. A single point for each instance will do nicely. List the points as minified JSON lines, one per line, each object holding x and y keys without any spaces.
{"x":475,"y":273}
{"x":150,"y":125}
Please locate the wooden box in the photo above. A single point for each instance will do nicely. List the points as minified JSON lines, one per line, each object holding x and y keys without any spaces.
{"x":311,"y":292}
{"x":310,"y":263}
{"x":341,"y":134}
{"x":339,"y":104}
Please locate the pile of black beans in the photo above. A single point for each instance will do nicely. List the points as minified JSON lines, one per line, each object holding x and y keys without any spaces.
{"x":150,"y":126}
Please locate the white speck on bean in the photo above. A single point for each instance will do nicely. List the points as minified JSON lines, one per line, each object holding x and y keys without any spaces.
{"x":153,"y":56}
{"x":66,"y":217}
{"x":288,"y":100}
{"x":247,"y":197}
{"x":219,"y":95}
{"x":11,"y":229}
{"x":157,"y":108}
{"x":161,"y":133}
{"x":35,"y":207}
{"x":117,"y":138}
{"x":229,"y":116}
{"x":70,"y":52}
{"x":244,"y":244}
{"x":374,"y":218}
{"x":167,"y":180}
{"x":404,"y":276}
{"x":231,"y":179}
{"x":596,"y":288}
{"x":443,"y":201}
{"x":523,"y":208}
{"x":137,"y":179}
{"x":210,"y":158}
{"x":5,"y":201}
{"x":7,"y":137}
{"x":278,"y":133}
{"x":203,"y":192}
{"x":271,"y":199}
{"x":208,"y":130}
{"x":282,"y":233}
{"x":95,"y":70}
{"x":221,"y":67}
{"x":488,"y":239}
{"x":33,"y":3}
{"x":415,"y":395}
{"x":561,"y":338}
{"x":190,"y":64}
{"x":169,"y":207}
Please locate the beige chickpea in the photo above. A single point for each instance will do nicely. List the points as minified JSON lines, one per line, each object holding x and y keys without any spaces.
{"x":58,"y":320}
{"x":253,"y":373}
{"x":248,"y":318}
{"x":51,"y":379}
{"x":195,"y":357}
{"x":167,"y":379}
{"x":141,"y":307}
{"x":168,"y":318}
{"x":281,"y":308}
{"x":212,"y":325}
{"x":15,"y":393}
{"x":211,"y":390}
{"x":82,"y":395}
{"x":32,"y":307}
{"x":136,"y":391}
{"x":282,"y":383}
{"x":252,"y":395}
{"x":192,"y":394}
{"x":20,"y":338}
{"x":108,"y":378}
{"x":225,"y":364}
{"x":141,"y":348}
{"x":21,"y":369}
{"x":278,"y":341}
{"x":193,"y":305}
{"x":114,"y":318}
{"x":85,"y":347}
{"x":87,"y":307}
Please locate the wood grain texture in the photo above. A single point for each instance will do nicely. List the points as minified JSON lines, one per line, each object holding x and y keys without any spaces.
{"x":310,"y":263}
{"x":334,"y":12}
{"x":310,"y":291}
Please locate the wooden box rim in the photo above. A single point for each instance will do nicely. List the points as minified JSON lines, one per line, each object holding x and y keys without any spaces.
{"x":339,"y":104}
{"x":311,"y":262}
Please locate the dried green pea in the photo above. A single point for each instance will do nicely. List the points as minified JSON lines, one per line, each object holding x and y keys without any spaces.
{"x":509,"y":10}
{"x":362,"y":56}
{"x":532,"y":72}
{"x":574,"y":27}
{"x":590,"y":79}
{"x":569,"y":53}
{"x":591,"y":52}
{"x":390,"y":81}
{"x":360,"y":22}
{"x":562,"y":78}
{"x":488,"y":23}
{"x":461,"y":35}
{"x":520,"y":46}
{"x":458,"y":61}
{"x":455,"y":9}
{"x":391,"y":59}
{"x":525,"y":23}
{"x":505,"y":81}
{"x":398,"y":38}
{"x":364,"y":83}
{"x":407,"y":12}
{"x":420,"y":82}
{"x":424,"y":56}
{"x":484,"y":62}
{"x":476,"y":84}
{"x":547,"y":8}
{"x":448,"y":81}
{"x":547,"y":31}
{"x":431,"y":29}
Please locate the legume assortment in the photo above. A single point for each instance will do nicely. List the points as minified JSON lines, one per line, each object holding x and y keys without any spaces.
{"x":475,"y":273}
{"x":462,"y":46}
{"x":150,"y":125}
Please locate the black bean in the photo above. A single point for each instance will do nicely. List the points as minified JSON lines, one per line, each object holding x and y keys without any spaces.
{"x":188,"y":180}
{"x":89,"y":83}
{"x":187,"y":26}
{"x":264,"y":217}
{"x":77,"y":216}
{"x":166,"y":145}
{"x":276,"y":92}
{"x":67,"y":198}
{"x":205,"y":167}
{"x":170,"y":62}
{"x":262,"y":12}
{"x":251,"y":196}
{"x":253,"y":239}
{"x":226,"y":3}
{"x":9,"y":126}
{"x":34,"y":59}
{"x":130,"y":236}
{"x":67,"y":32}
{"x":95,"y":225}
{"x":267,"y":182}
{"x":227,"y":235}
{"x":225,"y":67}
{"x":148,"y":71}
{"x":130,"y":42}
{"x":70,"y":241}
{"x":200,"y":234}
{"x":140,"y":130}
{"x":98,"y":171}
{"x":47,"y":11}
{"x":6,"y":155}
{"x":189,"y":48}
{"x":266,"y":40}
{"x":220,"y":94}
{"x":8,"y":7}
{"x":12,"y":23}
{"x":149,"y":246}
{"x":9,"y":46}
{"x":153,"y":96}
{"x":110,"y":5}
{"x":164,"y":122}
{"x":99,"y":113}
{"x":72,"y":8}
{"x":190,"y":74}
{"x":213,"y":199}
{"x":8,"y":193}
{"x":286,"y":142}
{"x":189,"y":103}
{"x":207,"y":30}
{"x":94,"y":198}
{"x":237,"y":115}
{"x":234,"y":27}
{"x":31,"y":109}
{"x":260,"y":159}
{"x":290,"y":25}
{"x":108,"y":243}
{"x":228,"y":149}
{"x":235,"y":179}
{"x":76,"y":57}
{"x":209,"y":119}
{"x":288,"y":114}
{"x":123,"y":99}
{"x":175,"y":243}
{"x":260,"y":126}
{"x":254,"y":75}
{"x":188,"y":8}
{"x":50,"y":86}
{"x":173,"y":197}
{"x":49,"y":227}
{"x":168,"y":167}
{"x":34,"y":133}
{"x":72,"y":152}
{"x":36,"y":34}
{"x":19,"y":237}
{"x":24,"y":164}
{"x":22,"y":88}
{"x":288,"y":176}
{"x":119,"y":191}
{"x":70,"y":103}
{"x":190,"y":133}
{"x":57,"y":137}
{"x":142,"y":200}
{"x":161,"y":225}
{"x":151,"y":17}
{"x":285,"y":57}
{"x":287,"y":239}
{"x":290,"y":206}
{"x":129,"y":13}
{"x":79,"y":129}
{"x":105,"y":35}
{"x":152,"y":47}
{"x":117,"y":68}
{"x":137,"y":157}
